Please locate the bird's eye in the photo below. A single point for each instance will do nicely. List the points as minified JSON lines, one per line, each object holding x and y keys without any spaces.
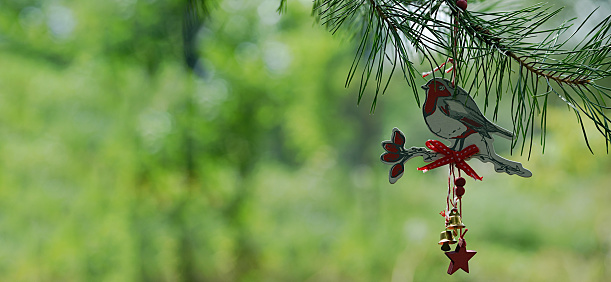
{"x":441,"y":87}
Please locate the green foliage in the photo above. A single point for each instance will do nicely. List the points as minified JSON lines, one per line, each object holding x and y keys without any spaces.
{"x":118,"y":163}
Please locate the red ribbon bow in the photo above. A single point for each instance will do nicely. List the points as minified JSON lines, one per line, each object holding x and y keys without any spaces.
{"x":451,"y":156}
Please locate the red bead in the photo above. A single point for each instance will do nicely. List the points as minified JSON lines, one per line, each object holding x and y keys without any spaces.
{"x":460,"y":191}
{"x":462,"y":4}
{"x":460,"y":181}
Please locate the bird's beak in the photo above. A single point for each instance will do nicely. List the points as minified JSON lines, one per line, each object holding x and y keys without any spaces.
{"x":425,"y":87}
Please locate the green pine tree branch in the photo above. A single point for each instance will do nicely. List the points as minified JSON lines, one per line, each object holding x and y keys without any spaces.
{"x":497,"y":51}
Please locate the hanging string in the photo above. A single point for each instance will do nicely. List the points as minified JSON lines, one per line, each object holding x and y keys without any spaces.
{"x":454,"y":74}
{"x":462,"y":235}
{"x":455,"y":50}
{"x":453,"y":184}
{"x":452,"y":201}
{"x":450,"y":180}
{"x":460,"y":206}
{"x":450,"y":60}
{"x":461,"y":216}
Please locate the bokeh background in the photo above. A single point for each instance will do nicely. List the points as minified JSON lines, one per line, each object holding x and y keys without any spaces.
{"x":120,"y":163}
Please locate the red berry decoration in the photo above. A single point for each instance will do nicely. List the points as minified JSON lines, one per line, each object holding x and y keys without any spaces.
{"x":460,"y":181}
{"x":462,"y":4}
{"x":460,"y":191}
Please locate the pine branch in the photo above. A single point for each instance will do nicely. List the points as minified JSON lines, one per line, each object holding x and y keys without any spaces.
{"x":494,"y":41}
{"x":572,"y":71}
{"x":499,"y":51}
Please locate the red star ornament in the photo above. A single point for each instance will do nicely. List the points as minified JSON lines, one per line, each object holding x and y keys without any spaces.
{"x":460,"y":258}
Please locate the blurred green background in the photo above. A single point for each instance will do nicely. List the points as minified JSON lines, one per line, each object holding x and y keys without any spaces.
{"x":117,"y":163}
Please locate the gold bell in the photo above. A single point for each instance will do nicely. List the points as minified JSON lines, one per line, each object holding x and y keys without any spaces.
{"x":455,"y":222}
{"x":445,"y":239}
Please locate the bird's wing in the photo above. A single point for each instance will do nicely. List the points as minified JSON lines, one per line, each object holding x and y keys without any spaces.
{"x":465,"y":110}
{"x":458,"y":110}
{"x":462,"y":107}
{"x":463,"y":96}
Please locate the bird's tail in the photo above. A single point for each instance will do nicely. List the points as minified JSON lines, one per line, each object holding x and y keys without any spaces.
{"x":504,"y":133}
